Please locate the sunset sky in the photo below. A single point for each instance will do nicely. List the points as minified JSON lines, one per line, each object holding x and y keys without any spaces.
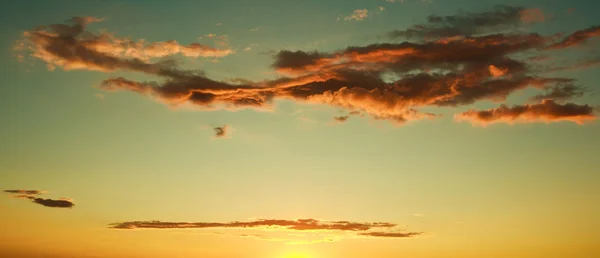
{"x":299,"y":129}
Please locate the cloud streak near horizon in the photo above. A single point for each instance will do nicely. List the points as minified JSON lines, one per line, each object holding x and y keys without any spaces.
{"x":303,"y":225}
{"x":448,"y":61}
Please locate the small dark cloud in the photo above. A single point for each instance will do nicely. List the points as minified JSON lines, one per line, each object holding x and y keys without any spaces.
{"x":61,"y":203}
{"x":221,"y":131}
{"x":341,"y":119}
{"x":31,"y":195}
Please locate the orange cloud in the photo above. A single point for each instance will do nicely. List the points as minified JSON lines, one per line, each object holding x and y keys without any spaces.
{"x":496,"y":71}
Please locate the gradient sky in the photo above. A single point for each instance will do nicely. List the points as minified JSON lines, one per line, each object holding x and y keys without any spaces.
{"x":527,"y":188}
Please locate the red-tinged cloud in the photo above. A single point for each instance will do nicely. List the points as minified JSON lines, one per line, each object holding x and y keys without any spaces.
{"x":547,"y":111}
{"x":31,"y":195}
{"x":532,"y":15}
{"x":577,"y":38}
{"x":70,"y":46}
{"x":484,"y":58}
{"x":497,"y":71}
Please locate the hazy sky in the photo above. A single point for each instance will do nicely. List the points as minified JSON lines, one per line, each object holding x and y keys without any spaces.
{"x":288,"y":129}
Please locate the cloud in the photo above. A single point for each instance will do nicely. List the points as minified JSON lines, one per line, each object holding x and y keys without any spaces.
{"x":221,"y":131}
{"x":500,"y":18}
{"x":335,"y":230}
{"x":61,"y":203}
{"x":300,"y":224}
{"x":358,"y":15}
{"x":391,"y":234}
{"x":25,"y":192}
{"x":577,"y":38}
{"x":70,"y":47}
{"x":546,"y":111}
{"x":496,"y":71}
{"x":341,"y":119}
{"x":560,"y":92}
{"x":469,"y":57}
{"x":31,"y":195}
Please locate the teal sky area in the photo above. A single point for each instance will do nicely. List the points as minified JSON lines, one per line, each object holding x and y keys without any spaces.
{"x":122,"y":156}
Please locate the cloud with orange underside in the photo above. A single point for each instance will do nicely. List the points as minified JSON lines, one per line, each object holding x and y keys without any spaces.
{"x":456,"y":60}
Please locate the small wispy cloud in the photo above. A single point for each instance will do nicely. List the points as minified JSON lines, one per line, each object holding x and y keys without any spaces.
{"x":358,"y":15}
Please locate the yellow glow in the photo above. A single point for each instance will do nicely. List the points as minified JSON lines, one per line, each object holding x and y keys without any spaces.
{"x":296,"y":255}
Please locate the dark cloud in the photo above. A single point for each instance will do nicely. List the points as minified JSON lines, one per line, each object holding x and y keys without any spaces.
{"x":221,"y":131}
{"x":547,"y":111}
{"x":61,"y":203}
{"x":300,"y":224}
{"x":25,"y":192}
{"x":577,"y":38}
{"x":31,"y":195}
{"x":560,"y":92}
{"x":500,"y":18}
{"x":391,"y":234}
{"x":341,"y":119}
{"x":70,"y":46}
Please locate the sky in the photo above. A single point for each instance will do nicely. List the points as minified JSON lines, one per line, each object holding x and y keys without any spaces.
{"x":299,"y":129}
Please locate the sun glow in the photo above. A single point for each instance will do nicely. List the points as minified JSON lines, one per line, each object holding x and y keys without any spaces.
{"x":296,"y":255}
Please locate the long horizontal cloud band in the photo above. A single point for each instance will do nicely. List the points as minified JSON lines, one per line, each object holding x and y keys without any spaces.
{"x":450,"y":64}
{"x":362,"y":229}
